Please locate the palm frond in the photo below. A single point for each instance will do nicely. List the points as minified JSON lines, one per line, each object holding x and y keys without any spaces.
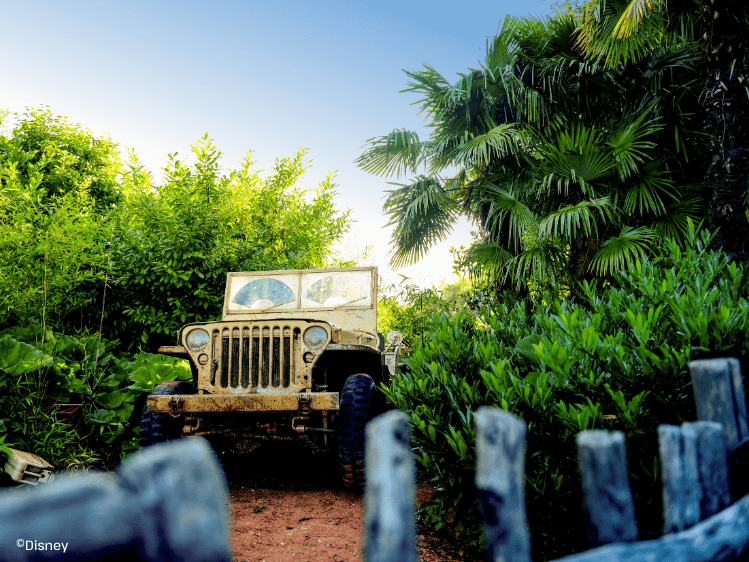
{"x":570,"y":220}
{"x":506,"y":208}
{"x":629,"y":142}
{"x":575,"y":156}
{"x":674,"y":222}
{"x":431,"y":84}
{"x":422,"y":214}
{"x":540,"y":263}
{"x":480,"y":150}
{"x":645,"y":189}
{"x":633,"y":16}
{"x":398,"y":153}
{"x":604,"y":32}
{"x":621,"y":251}
{"x":487,"y":257}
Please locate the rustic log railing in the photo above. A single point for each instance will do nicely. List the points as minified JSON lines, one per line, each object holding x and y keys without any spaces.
{"x":700,"y":524}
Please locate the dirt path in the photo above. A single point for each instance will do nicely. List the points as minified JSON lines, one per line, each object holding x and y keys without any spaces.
{"x":288,"y":504}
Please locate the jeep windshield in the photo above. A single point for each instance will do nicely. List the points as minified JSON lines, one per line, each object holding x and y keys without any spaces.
{"x":309,"y":290}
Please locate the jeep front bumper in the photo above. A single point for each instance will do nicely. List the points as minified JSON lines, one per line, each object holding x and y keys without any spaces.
{"x":212,"y":403}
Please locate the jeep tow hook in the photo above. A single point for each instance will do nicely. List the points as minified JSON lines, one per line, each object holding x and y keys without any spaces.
{"x":175,"y":406}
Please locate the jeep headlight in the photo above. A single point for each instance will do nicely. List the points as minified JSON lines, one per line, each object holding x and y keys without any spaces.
{"x":315,"y":337}
{"x":197,"y":339}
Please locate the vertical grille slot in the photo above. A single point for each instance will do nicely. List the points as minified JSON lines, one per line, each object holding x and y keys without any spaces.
{"x":286,"y":361}
{"x":254,"y":356}
{"x":245,"y":358}
{"x":276,"y":363}
{"x":225,"y":358}
{"x":265,"y":357}
{"x":235,"y":358}
{"x":215,"y":354}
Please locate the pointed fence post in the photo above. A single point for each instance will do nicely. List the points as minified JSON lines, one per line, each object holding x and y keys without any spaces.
{"x":500,"y":484}
{"x":608,"y":505}
{"x":389,"y":493}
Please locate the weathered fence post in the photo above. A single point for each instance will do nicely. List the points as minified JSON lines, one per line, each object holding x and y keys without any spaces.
{"x":680,"y":476}
{"x":608,"y":505}
{"x":181,"y":493}
{"x":719,"y":395}
{"x":694,"y":470}
{"x":169,"y":504}
{"x":500,"y":484}
{"x":389,"y":494}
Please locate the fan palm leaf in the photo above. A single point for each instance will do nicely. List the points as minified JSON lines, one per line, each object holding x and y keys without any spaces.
{"x":480,"y":150}
{"x":487,"y":256}
{"x":540,"y":263}
{"x":644,"y":190}
{"x":674,"y":222}
{"x":571,"y":220}
{"x":507,"y":208}
{"x":618,"y":252}
{"x":576,"y":156}
{"x":398,"y":153}
{"x":422,"y":214}
{"x":629,"y":142}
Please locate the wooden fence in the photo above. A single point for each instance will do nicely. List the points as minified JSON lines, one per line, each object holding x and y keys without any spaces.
{"x":700,"y":522}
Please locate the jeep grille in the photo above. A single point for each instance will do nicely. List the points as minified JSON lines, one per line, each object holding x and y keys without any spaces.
{"x":255,"y":356}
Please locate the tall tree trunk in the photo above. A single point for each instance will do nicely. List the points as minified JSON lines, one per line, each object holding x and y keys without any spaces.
{"x":726,"y":121}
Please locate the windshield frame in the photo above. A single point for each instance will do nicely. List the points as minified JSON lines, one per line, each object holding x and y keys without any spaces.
{"x":235,"y":281}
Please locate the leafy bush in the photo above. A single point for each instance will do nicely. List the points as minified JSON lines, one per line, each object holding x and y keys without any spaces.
{"x":175,"y":243}
{"x":615,"y":358}
{"x":40,"y":369}
{"x":407,"y":308}
{"x":56,"y":180}
{"x":54,"y":157}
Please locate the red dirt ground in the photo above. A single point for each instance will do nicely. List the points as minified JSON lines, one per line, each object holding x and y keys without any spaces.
{"x":288,"y":504}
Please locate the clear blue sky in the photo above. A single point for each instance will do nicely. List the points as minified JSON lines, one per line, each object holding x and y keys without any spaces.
{"x":269,"y":77}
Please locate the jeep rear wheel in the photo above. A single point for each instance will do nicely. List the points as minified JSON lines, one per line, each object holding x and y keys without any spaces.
{"x":355,"y":411}
{"x":155,"y":428}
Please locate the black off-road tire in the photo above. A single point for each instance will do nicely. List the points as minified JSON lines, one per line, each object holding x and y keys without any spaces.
{"x":355,"y":411}
{"x":155,"y":428}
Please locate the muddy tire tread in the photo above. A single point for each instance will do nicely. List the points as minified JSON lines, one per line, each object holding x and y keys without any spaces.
{"x":355,"y":411}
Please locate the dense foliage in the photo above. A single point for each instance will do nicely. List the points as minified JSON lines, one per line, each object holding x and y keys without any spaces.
{"x":614,"y":358}
{"x":99,"y":264}
{"x":40,"y":368}
{"x":56,"y":181}
{"x":571,"y":170}
{"x":174,"y":243}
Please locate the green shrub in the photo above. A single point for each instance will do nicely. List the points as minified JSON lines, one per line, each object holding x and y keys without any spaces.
{"x":615,"y":358}
{"x":175,"y":243}
{"x":39,"y":369}
{"x":407,"y":308}
{"x":56,"y":182}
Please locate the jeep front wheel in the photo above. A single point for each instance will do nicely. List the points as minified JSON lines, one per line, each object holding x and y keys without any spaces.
{"x":355,"y":411}
{"x":154,"y":427}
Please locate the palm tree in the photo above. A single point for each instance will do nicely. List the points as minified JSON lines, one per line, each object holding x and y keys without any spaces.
{"x":568,"y":168}
{"x":618,"y":32}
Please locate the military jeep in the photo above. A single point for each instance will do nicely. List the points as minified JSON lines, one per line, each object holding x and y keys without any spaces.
{"x":296,"y":356}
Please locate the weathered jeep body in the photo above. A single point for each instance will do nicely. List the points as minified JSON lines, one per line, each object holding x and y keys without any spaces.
{"x":296,"y":354}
